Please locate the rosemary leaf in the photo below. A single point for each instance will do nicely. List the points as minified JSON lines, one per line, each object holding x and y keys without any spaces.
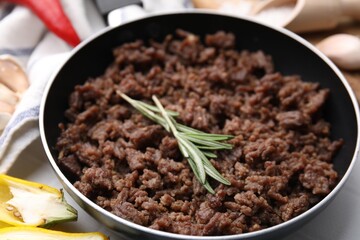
{"x":194,"y":155}
{"x":187,"y":129}
{"x":206,"y":184}
{"x":208,"y":143}
{"x":209,"y":154}
{"x":183,"y":151}
{"x":207,"y":136}
{"x":209,"y":188}
{"x":212,"y":172}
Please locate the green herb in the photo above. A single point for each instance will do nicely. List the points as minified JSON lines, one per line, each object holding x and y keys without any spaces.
{"x":196,"y":146}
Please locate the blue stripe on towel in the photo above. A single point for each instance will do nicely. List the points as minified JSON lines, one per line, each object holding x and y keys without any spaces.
{"x":30,"y":113}
{"x":187,"y":4}
{"x":17,"y":52}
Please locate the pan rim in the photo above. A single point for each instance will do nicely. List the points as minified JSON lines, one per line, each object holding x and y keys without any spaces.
{"x":159,"y":233}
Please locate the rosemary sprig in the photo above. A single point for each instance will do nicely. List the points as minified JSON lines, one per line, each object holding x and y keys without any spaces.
{"x":195,"y":145}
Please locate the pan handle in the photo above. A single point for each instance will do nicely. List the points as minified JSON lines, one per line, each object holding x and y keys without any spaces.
{"x":106,"y":6}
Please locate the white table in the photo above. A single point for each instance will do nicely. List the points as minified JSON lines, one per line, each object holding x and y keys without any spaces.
{"x":339,"y":221}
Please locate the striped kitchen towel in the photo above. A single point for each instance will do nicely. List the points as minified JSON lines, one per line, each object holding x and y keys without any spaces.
{"x":23,"y":36}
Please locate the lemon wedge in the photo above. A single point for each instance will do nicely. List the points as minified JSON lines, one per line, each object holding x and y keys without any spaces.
{"x":25,"y":203}
{"x":34,"y":233}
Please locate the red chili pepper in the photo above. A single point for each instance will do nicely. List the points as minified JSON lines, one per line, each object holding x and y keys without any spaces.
{"x":53,"y":16}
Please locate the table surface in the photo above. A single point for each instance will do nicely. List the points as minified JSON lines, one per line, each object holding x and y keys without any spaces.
{"x":340,"y":220}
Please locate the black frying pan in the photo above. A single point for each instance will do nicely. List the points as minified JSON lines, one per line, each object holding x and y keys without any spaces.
{"x":291,"y":55}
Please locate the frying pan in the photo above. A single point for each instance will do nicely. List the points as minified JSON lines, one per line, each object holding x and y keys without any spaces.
{"x":291,"y":54}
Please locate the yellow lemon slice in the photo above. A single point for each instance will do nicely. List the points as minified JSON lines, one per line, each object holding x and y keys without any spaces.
{"x":33,"y":233}
{"x":25,"y":203}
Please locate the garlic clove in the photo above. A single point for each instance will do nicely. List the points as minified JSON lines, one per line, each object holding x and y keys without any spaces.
{"x":8,"y":96}
{"x":4,"y":119}
{"x":343,"y":50}
{"x":12,"y":74}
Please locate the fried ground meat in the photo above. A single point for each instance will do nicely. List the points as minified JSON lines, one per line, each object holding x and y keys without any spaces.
{"x":280,"y":164}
